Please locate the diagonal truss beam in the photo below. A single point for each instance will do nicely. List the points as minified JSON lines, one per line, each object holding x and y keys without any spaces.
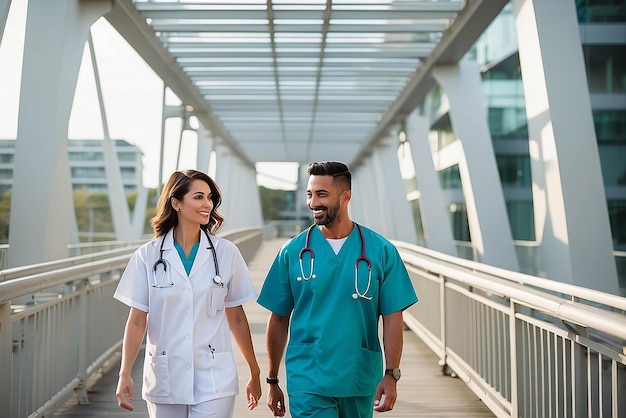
{"x":133,"y":27}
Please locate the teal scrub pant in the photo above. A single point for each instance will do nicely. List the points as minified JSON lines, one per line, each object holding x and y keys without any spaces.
{"x":316,"y":406}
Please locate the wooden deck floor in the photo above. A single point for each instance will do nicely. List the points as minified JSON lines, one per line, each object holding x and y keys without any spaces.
{"x":422,"y":392}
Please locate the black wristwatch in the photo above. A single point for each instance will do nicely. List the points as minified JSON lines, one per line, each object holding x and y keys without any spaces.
{"x":272,"y":380}
{"x":395,"y":373}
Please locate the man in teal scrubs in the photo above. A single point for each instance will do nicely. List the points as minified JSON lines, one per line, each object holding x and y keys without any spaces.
{"x":334,"y":360}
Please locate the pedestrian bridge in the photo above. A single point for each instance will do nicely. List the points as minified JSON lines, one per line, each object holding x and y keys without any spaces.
{"x":461,"y":121}
{"x":481,"y":342}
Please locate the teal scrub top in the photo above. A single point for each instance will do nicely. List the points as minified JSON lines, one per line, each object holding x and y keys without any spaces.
{"x":334,"y":348}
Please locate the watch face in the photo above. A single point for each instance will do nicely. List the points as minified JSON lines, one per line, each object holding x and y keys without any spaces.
{"x":395,"y":373}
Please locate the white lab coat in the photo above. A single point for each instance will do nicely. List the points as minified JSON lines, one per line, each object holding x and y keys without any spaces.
{"x":189,"y":356}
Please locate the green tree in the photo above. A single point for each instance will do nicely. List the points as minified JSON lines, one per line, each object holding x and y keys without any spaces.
{"x":5,"y":212}
{"x":273,"y":202}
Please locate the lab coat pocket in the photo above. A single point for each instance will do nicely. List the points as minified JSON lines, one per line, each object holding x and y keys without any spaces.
{"x":157,"y":376}
{"x":217,"y":294}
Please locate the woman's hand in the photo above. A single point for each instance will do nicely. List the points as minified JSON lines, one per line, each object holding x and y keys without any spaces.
{"x":124,"y":392}
{"x":253,"y":391}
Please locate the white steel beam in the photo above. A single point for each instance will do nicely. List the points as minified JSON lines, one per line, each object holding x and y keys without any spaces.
{"x":115,"y":187}
{"x":471,"y":22}
{"x":396,"y":204}
{"x":133,"y":27}
{"x":433,"y":209}
{"x":571,"y":216}
{"x":43,"y":209}
{"x":484,"y":199}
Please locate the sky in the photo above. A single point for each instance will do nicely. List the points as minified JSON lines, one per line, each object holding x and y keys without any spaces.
{"x":132,"y":95}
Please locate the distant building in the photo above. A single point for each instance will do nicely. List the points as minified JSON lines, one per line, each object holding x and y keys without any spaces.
{"x":86,"y":165}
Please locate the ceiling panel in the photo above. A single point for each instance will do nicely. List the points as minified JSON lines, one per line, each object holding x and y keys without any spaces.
{"x":297,"y":80}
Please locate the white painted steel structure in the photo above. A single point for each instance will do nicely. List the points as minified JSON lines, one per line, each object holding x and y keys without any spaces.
{"x":296,"y":81}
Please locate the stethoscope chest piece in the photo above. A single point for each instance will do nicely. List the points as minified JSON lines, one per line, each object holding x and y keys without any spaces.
{"x":217,"y":281}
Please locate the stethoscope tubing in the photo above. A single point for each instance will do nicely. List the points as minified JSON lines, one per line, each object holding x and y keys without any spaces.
{"x":307,"y":249}
{"x":217,"y":279}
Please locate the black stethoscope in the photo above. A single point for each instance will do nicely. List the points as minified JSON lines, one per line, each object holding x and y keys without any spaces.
{"x":357,"y":294}
{"x":217,"y":279}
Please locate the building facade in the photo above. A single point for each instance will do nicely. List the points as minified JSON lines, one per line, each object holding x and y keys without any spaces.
{"x":603,"y":40}
{"x":87,"y":165}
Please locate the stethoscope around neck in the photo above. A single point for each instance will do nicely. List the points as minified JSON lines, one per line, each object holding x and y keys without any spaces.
{"x":357,"y":294}
{"x":159,"y":284}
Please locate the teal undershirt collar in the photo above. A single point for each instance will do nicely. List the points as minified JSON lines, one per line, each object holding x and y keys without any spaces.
{"x":187,"y":261}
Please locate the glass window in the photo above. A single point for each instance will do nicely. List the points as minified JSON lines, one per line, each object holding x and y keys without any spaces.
{"x":128,"y":173}
{"x":127,"y":156}
{"x":450,"y":178}
{"x":606,"y":68}
{"x":417,"y":218}
{"x":88,"y":172}
{"x":613,"y":161}
{"x":610,"y":125}
{"x":522,"y":220}
{"x":508,"y":122}
{"x":7,"y":158}
{"x":460,"y":225}
{"x":441,"y":135}
{"x":6,"y":173}
{"x":514,"y":170}
{"x":617,"y":218}
{"x":86,"y":156}
{"x":601,"y":11}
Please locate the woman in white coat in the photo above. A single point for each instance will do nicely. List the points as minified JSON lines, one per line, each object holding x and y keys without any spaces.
{"x":186,"y":287}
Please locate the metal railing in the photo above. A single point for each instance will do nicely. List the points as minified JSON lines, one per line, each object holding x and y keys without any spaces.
{"x":528,"y":347}
{"x":59,"y":325}
{"x":76,"y":250}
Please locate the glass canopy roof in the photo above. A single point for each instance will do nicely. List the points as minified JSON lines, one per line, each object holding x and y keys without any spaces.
{"x":301,"y":80}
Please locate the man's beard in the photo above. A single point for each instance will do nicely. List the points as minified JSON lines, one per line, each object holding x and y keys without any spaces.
{"x":329,"y":216}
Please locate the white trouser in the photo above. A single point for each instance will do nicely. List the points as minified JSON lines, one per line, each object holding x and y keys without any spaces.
{"x":216,"y":408}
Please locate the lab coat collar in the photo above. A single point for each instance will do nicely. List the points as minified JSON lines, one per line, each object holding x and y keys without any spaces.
{"x":203,"y":256}
{"x":171,"y":255}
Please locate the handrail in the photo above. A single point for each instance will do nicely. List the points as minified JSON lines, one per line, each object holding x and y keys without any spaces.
{"x":576,"y":312}
{"x":24,"y":271}
{"x":523,"y":344}
{"x":42,"y":368}
{"x":591,"y":295}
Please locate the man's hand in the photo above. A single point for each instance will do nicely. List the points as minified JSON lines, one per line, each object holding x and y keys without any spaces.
{"x":276,"y":400}
{"x":386,"y":395}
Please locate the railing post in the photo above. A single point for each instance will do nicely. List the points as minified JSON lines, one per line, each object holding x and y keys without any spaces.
{"x":443,"y":362}
{"x":580,"y":381}
{"x":6,"y":359}
{"x":81,"y":390}
{"x":513,"y":335}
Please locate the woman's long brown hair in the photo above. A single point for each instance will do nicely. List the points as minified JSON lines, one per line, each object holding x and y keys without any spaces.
{"x":176,"y":187}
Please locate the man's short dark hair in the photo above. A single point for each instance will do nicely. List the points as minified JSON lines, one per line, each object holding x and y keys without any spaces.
{"x":338,"y":170}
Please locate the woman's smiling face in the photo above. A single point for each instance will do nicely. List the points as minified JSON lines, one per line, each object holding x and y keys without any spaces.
{"x":196,"y":205}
